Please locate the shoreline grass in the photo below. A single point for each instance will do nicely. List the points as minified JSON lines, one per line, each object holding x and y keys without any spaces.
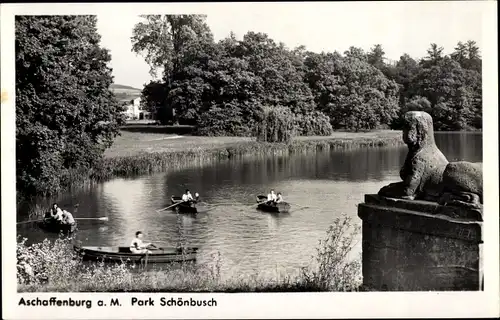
{"x":54,"y":267}
{"x":134,"y":154}
{"x":139,"y":154}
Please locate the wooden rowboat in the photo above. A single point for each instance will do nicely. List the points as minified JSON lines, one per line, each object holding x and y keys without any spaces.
{"x":282,"y":207}
{"x":119,"y":254}
{"x":52,"y":225}
{"x":184,"y":207}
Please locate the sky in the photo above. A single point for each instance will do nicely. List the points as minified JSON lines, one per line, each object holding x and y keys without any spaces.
{"x":400,"y":27}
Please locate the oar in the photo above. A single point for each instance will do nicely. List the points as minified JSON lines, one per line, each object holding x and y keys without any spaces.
{"x":219,"y":204}
{"x":256,"y":204}
{"x":29,"y":221}
{"x":40,"y":220}
{"x":100,"y":219}
{"x":175,"y":204}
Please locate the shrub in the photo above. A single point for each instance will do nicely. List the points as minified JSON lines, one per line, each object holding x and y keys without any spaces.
{"x":333,"y":270}
{"x":41,"y":262}
{"x":276,"y":125}
{"x":54,"y":266}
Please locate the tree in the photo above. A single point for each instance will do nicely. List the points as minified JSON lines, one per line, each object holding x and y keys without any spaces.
{"x":454,"y":93}
{"x":354,"y":94}
{"x":246,"y":75}
{"x":160,"y":38}
{"x":467,"y":55}
{"x":376,"y":57}
{"x":154,"y":97}
{"x":276,"y":125}
{"x":66,"y":115}
{"x":473,"y":61}
{"x":460,"y":54}
{"x":180,"y":46}
{"x":355,"y":52}
{"x":434,"y":56}
{"x":282,"y":81}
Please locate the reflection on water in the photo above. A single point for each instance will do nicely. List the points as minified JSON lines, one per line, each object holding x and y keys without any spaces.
{"x":249,"y":241}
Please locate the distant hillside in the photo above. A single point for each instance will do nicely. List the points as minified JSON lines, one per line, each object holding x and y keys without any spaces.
{"x":123,"y":92}
{"x":116,"y":86}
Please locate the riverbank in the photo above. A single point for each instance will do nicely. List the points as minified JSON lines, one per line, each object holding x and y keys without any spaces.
{"x":54,"y":267}
{"x":136,"y":153}
{"x":140,"y":153}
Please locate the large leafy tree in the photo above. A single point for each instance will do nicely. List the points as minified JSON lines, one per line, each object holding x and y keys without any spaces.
{"x":467,"y":55}
{"x":454,"y":93}
{"x":178,"y":46}
{"x":354,"y":94}
{"x":66,"y":114}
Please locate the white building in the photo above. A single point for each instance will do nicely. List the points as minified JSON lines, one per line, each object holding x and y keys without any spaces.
{"x":134,"y":110}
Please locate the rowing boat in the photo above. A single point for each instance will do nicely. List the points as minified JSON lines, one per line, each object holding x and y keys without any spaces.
{"x":184,"y":207}
{"x":264,"y":205}
{"x":52,"y":225}
{"x":123,"y":254}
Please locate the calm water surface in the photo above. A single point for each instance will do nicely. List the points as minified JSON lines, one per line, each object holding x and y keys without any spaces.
{"x":248,"y":241}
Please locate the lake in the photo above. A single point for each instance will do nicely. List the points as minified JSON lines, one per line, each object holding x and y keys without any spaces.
{"x":246,"y":240}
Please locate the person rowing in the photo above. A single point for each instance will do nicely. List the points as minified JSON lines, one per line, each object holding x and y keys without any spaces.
{"x":187,"y":196}
{"x":67,"y":218}
{"x":138,"y":246}
{"x":271,"y":197}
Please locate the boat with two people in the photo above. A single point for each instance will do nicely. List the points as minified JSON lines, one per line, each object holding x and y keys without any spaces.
{"x":186,"y":203}
{"x":58,"y":220}
{"x":137,"y":252}
{"x":273,"y":203}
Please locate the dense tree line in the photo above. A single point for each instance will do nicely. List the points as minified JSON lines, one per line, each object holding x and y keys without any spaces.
{"x":66,"y":114}
{"x":227,"y":87}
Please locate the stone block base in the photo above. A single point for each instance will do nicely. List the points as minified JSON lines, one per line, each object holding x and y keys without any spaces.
{"x":419,"y":246}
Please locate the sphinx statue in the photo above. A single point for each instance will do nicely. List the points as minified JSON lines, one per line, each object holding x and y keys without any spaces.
{"x":426,"y":173}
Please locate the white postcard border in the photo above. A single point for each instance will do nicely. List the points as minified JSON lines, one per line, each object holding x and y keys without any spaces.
{"x":247,"y":305}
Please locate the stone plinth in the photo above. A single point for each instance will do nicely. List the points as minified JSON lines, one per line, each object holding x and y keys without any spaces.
{"x":417,"y":245}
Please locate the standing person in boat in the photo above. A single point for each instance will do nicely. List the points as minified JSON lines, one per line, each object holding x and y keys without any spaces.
{"x":67,"y":218}
{"x":138,"y":246}
{"x":56,"y":213}
{"x":279,"y":198}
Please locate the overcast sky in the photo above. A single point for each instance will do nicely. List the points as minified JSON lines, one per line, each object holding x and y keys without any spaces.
{"x":400,"y":27}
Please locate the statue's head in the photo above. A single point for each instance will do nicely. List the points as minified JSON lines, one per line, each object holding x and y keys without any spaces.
{"x":417,"y":129}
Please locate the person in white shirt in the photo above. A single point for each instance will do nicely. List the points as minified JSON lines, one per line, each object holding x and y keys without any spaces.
{"x":279,"y":198}
{"x":187,"y":196}
{"x":137,"y":246}
{"x":271,"y":196}
{"x":56,"y":213}
{"x":67,"y":218}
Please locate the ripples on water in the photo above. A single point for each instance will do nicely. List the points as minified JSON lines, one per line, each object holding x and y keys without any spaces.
{"x":248,"y":241}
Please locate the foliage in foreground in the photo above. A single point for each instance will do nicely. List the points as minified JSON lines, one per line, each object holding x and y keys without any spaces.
{"x":66,"y":115}
{"x":54,"y":266}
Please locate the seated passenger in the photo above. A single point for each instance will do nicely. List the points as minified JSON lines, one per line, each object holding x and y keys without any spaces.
{"x":279,"y":198}
{"x":56,"y":213}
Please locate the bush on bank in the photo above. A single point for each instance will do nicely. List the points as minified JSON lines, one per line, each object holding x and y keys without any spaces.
{"x":55,"y":267}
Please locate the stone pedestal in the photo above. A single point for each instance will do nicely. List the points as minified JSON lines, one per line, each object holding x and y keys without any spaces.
{"x":419,"y":246}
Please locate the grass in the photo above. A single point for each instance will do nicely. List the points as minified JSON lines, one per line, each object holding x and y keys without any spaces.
{"x":134,"y":153}
{"x":134,"y":144}
{"x":53,"y":267}
{"x":139,"y":153}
